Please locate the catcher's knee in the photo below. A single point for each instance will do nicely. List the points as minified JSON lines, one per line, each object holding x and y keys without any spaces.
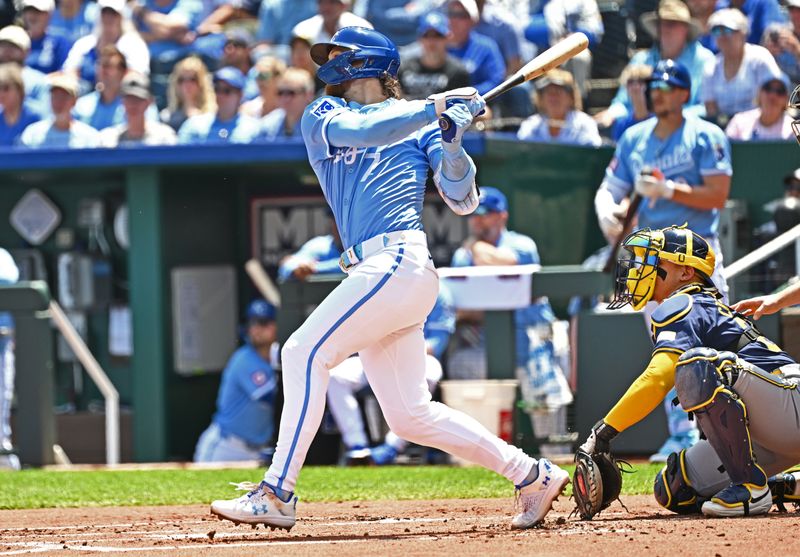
{"x":698,"y":374}
{"x":672,"y":487}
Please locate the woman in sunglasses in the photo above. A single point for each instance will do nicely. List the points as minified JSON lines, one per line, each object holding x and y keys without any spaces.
{"x":731,"y":81}
{"x":767,"y":121}
{"x":295,"y":90}
{"x":190,"y":92}
{"x":268,"y":71}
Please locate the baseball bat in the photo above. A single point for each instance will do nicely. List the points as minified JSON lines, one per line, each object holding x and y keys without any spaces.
{"x":263,"y":283}
{"x":627,"y":224}
{"x":553,"y":57}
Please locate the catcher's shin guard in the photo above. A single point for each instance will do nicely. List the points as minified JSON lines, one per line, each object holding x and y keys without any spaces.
{"x":672,"y":487}
{"x":703,"y":379}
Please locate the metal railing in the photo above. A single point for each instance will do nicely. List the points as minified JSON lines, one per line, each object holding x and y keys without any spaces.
{"x":760,"y":254}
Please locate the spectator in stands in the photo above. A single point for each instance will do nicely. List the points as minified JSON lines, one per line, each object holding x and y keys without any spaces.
{"x":491,"y":243}
{"x":226,"y":125}
{"x":15,"y":113}
{"x":332,"y":16}
{"x":48,"y":50}
{"x":555,"y":19}
{"x":760,"y":14}
{"x":8,"y":12}
{"x":14,"y":47}
{"x":268,"y":70}
{"x":676,"y":32}
{"x":277,"y":18}
{"x":61,"y":130}
{"x":634,"y":78}
{"x":236,"y":52}
{"x":103,"y":107}
{"x":227,"y":13}
{"x":245,"y":418}
{"x":701,"y":10}
{"x":137,"y":128}
{"x":190,"y":92}
{"x":168,"y":27}
{"x":560,"y":119}
{"x":769,"y":119}
{"x":318,"y":256}
{"x":783,"y":42}
{"x":113,"y":28}
{"x":479,"y":54}
{"x":397,"y":19}
{"x":295,"y":92}
{"x":500,"y":25}
{"x":300,"y":57}
{"x":731,"y":81}
{"x":432,"y":70}
{"x":73,"y":19}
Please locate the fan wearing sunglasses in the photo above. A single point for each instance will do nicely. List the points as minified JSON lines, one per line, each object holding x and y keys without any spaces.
{"x":295,"y":90}
{"x":769,"y":120}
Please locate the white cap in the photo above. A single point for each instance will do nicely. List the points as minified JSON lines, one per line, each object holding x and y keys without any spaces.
{"x":730,"y":18}
{"x":17,"y":36}
{"x":471,"y":8}
{"x":116,"y":5}
{"x":40,"y":5}
{"x":793,"y":3}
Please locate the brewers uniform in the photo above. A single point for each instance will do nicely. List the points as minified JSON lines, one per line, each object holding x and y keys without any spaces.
{"x":348,"y":378}
{"x":244,"y":421}
{"x":8,"y":275}
{"x":372,"y":162}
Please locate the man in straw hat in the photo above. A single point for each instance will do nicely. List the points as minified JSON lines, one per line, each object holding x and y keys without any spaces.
{"x":675,"y":33}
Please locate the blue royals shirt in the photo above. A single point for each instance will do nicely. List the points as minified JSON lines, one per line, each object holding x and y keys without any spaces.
{"x":206,"y":128}
{"x":538,"y":313}
{"x":246,"y":397}
{"x":371,"y":190}
{"x":696,"y":149}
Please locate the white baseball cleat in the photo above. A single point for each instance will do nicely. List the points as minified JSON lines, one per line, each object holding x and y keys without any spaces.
{"x":739,"y":500}
{"x":259,"y":506}
{"x":537,"y":497}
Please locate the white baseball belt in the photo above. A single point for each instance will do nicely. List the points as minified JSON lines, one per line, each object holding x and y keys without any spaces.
{"x":354,"y":255}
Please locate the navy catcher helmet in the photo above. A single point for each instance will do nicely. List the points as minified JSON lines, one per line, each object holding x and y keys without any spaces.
{"x":671,"y":72}
{"x":368,"y":54}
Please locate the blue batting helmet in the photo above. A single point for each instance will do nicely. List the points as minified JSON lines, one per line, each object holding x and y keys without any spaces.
{"x":261,"y":310}
{"x":673,"y":73}
{"x":367,"y":54}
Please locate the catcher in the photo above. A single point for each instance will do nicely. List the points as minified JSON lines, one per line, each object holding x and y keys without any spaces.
{"x":740,"y":387}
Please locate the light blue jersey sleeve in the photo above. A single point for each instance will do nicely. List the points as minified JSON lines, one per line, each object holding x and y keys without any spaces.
{"x":715,"y":156}
{"x":619,"y":174}
{"x":328,"y":122}
{"x":523,"y":247}
{"x":461,"y":258}
{"x":320,"y":250}
{"x":455,"y":171}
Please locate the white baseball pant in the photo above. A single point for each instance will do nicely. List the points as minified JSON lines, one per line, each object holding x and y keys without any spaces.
{"x":378,"y":312}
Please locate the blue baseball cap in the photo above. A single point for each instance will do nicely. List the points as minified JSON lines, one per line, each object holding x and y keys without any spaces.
{"x":433,"y":21}
{"x":491,"y":200}
{"x":230,"y":75}
{"x":261,"y":310}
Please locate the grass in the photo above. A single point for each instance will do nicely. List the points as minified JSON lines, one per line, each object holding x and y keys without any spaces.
{"x":48,"y":489}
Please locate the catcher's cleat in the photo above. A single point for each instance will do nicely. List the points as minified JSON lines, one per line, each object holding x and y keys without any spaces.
{"x":383,"y":454}
{"x":259,"y":506}
{"x":536,"y":498}
{"x":785,"y":488}
{"x":739,"y":500}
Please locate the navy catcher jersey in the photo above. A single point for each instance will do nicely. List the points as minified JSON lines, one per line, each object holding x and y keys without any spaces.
{"x":694,"y":317}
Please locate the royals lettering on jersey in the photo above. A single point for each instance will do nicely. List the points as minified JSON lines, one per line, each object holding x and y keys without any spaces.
{"x":371,"y":190}
{"x":695,"y":150}
{"x":694,"y":317}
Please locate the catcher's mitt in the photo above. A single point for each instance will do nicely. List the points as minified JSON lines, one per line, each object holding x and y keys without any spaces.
{"x":597,"y":482}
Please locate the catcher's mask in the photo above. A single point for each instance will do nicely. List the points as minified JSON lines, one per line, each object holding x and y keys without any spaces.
{"x":638,"y":264}
{"x":794,"y":105}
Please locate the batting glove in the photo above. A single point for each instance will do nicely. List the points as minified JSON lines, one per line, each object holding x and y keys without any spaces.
{"x":459,"y":118}
{"x":610,"y":225}
{"x":599,"y":440}
{"x":467,"y":96}
{"x":653,"y":187}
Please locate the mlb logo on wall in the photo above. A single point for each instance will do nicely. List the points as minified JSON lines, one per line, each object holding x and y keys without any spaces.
{"x":324,"y":107}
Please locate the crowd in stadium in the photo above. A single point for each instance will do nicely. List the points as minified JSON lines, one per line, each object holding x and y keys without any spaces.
{"x":89,"y":73}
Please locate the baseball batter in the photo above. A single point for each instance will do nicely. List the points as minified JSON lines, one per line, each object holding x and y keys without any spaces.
{"x":740,"y":386}
{"x":371,"y":153}
{"x":348,"y":378}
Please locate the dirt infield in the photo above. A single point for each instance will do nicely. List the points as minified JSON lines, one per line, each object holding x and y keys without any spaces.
{"x":464,"y":527}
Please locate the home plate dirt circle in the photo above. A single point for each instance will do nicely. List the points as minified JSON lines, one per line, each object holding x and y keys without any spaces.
{"x":446,"y":527}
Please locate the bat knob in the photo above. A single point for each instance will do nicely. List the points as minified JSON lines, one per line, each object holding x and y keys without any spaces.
{"x":444,"y":123}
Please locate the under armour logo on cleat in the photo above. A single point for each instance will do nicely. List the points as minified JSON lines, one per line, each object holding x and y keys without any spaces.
{"x":263,"y":509}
